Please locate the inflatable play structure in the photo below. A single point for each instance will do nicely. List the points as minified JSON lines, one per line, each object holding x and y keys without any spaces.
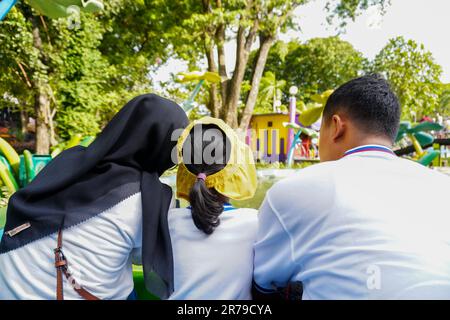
{"x":55,"y":8}
{"x":424,"y":148}
{"x":200,"y":79}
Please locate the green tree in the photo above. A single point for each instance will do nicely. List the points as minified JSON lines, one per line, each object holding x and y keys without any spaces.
{"x":444,"y":101}
{"x":413,"y":74}
{"x":74,"y":79}
{"x":322,"y":63}
{"x":270,"y":92}
{"x":48,"y":66}
{"x":316,"y":65}
{"x":25,"y":61}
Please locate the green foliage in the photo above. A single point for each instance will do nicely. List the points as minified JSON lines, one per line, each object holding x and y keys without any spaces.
{"x":90,"y":70}
{"x":413,"y":74}
{"x":73,"y":121}
{"x":270,"y":91}
{"x":345,"y":10}
{"x":17,"y":55}
{"x":444,"y":100}
{"x":316,"y":65}
{"x":321,"y":64}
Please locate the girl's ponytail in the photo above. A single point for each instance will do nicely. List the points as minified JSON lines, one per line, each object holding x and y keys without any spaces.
{"x":207,"y":205}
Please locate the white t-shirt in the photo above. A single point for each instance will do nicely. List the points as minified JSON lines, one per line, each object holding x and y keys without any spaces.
{"x":99,"y":252}
{"x":216,"y":266}
{"x":368,"y":226}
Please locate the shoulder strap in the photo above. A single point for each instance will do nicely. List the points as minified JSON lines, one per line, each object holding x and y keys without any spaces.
{"x":61,"y":268}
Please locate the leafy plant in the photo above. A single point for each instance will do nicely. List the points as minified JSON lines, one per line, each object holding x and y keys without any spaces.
{"x":413,"y":74}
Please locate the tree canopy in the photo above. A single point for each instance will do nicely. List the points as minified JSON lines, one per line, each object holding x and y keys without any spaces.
{"x":316,"y":65}
{"x":413,"y":74}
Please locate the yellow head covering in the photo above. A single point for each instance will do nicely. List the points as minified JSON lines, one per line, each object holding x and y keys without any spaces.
{"x":237,"y":180}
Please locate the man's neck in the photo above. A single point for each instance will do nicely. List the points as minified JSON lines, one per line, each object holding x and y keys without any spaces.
{"x":369,"y":141}
{"x":363,"y":141}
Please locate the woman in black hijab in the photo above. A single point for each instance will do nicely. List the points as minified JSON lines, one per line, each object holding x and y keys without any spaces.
{"x":81,"y":184}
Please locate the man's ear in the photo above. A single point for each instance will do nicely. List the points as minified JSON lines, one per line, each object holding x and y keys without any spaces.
{"x":338,"y":127}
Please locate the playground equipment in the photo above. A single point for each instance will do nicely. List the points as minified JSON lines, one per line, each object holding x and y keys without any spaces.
{"x":420,"y":139}
{"x":16,"y":171}
{"x":309,"y":116}
{"x":5,"y":7}
{"x":313,"y":111}
{"x":55,"y":8}
{"x":212,"y":77}
{"x":305,"y":144}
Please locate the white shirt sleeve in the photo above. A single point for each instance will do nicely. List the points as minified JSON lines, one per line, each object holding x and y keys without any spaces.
{"x":274,"y":264}
{"x":136,"y":251}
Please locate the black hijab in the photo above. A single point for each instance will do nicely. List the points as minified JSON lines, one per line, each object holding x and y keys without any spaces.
{"x":128,"y":156}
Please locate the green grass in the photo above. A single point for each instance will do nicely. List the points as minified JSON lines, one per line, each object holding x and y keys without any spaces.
{"x":256,"y":201}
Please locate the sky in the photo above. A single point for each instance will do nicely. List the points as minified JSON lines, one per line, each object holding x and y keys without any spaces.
{"x":425,"y":21}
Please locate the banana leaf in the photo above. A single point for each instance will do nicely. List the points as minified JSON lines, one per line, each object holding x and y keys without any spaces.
{"x":404,"y":127}
{"x":309,"y":132}
{"x":212,"y":77}
{"x":426,"y":126}
{"x":197,"y":76}
{"x":310,"y":116}
{"x":322,"y":98}
{"x":424,"y":138}
{"x":428,"y":158}
{"x":60,"y":8}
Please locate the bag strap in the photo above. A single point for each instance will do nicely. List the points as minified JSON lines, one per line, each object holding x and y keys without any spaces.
{"x":61,"y":268}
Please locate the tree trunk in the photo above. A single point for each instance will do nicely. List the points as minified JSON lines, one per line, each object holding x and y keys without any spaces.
{"x":244,"y":44}
{"x":42,"y":105}
{"x":214,"y":102}
{"x":23,"y":122}
{"x":265,"y":44}
{"x":42,"y":99}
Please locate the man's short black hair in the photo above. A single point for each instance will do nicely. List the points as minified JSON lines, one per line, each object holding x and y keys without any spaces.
{"x":370,"y":102}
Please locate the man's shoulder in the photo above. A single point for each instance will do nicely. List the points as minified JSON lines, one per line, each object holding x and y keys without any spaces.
{"x":413,"y":168}
{"x":312,"y":177}
{"x":305,"y":189}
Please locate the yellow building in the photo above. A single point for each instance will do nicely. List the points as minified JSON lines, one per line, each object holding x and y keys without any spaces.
{"x":268,"y":137}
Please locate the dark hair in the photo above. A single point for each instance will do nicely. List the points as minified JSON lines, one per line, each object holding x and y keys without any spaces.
{"x":206,"y":203}
{"x":370,"y":102}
